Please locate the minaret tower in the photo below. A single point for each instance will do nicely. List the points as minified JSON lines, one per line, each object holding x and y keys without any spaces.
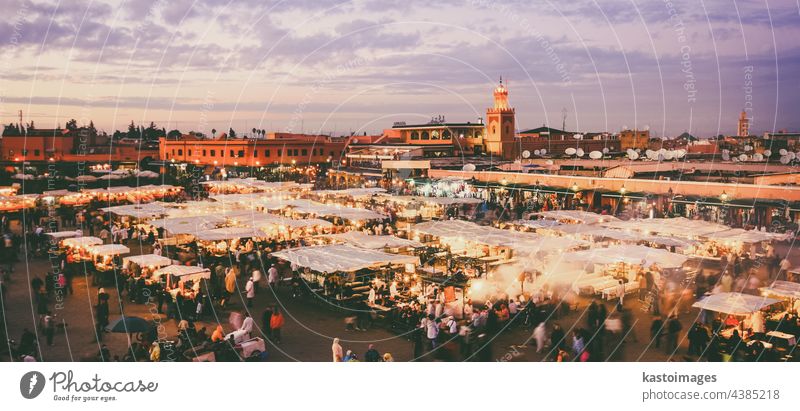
{"x":744,"y":125}
{"x":500,"y":126}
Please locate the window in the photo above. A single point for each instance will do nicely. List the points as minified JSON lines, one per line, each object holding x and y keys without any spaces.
{"x":213,"y":153}
{"x":414,"y":135}
{"x":434,"y":135}
{"x":266,"y":153}
{"x":241,"y":153}
{"x":173,"y":151}
{"x":232,"y":155}
{"x":305,"y":152}
{"x":425,"y":135}
{"x":36,"y":152}
{"x":494,"y":130}
{"x":190,"y":153}
{"x":204,"y":153}
{"x":296,"y":153}
{"x":222,"y":153}
{"x":446,"y":135}
{"x":255,"y":153}
{"x":332,"y":153}
{"x":280,"y":153}
{"x":180,"y":152}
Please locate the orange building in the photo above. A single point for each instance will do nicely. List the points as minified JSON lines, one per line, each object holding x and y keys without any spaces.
{"x":633,"y":139}
{"x":287,"y":149}
{"x":65,"y":145}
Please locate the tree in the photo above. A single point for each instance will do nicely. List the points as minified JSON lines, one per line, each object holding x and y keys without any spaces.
{"x":174,"y":134}
{"x":72,"y":125}
{"x":213,"y":133}
{"x":231,"y":133}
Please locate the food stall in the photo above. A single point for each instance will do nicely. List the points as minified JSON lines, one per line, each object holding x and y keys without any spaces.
{"x":341,"y":272}
{"x":80,"y":246}
{"x":374,"y":242}
{"x":221,"y":241}
{"x":106,"y":261}
{"x":737,"y":316}
{"x":177,"y":276}
{"x":142,"y":264}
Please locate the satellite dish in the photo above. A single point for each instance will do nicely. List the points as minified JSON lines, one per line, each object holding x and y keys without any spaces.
{"x":605,"y":150}
{"x":629,"y":151}
{"x":527,"y":154}
{"x":767,"y":153}
{"x":549,"y":162}
{"x":639,"y":150}
{"x":646,"y":127}
{"x":726,"y":156}
{"x":758,"y":157}
{"x":742,"y":157}
{"x":633,"y":156}
{"x":579,"y":152}
{"x":648,"y":152}
{"x":791,"y":155}
{"x":660,"y":157}
{"x":543,"y":151}
{"x":681,"y":153}
{"x":662,"y":151}
{"x":537,"y":152}
{"x":783,"y":152}
{"x":784,"y":160}
{"x":570,"y":151}
{"x":577,"y":136}
{"x":725,"y":151}
{"x":595,"y":155}
{"x":669,"y":155}
{"x":355,"y":141}
{"x":468,"y":167}
{"x":748,"y":147}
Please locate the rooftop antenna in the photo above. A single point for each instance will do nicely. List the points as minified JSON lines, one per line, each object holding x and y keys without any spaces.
{"x":564,"y":119}
{"x":20,"y":117}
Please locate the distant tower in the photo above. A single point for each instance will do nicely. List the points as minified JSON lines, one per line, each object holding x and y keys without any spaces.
{"x":500,"y":127}
{"x":744,"y":125}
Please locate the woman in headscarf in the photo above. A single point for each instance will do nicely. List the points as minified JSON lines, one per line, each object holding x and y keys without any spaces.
{"x":338,"y":353}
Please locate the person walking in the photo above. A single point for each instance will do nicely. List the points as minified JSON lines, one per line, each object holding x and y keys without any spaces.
{"x":540,"y":335}
{"x":673,"y":328}
{"x":251,"y":291}
{"x":272,"y":276}
{"x":275,"y":325}
{"x":372,"y":355}
{"x":336,"y":350}
{"x":49,"y":328}
{"x":656,"y":330}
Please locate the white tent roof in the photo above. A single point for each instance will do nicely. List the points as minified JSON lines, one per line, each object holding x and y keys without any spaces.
{"x":443,"y":201}
{"x":628,"y":254}
{"x":364,"y":240}
{"x":109,"y":249}
{"x":271,"y":222}
{"x":229,"y":233}
{"x":81,"y":242}
{"x":341,"y":257}
{"x":584,"y":217}
{"x":188,"y":225}
{"x":64,"y":234}
{"x":186,"y":272}
{"x":679,"y":227}
{"x":734,"y":303}
{"x":146,"y":260}
{"x":147,"y":210}
{"x":347,"y":213}
{"x":536,"y":224}
{"x":744,"y":236}
{"x":783,"y":289}
{"x":351,"y":192}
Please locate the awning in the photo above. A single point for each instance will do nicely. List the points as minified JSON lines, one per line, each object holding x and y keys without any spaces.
{"x":345,"y":258}
{"x":734,"y":303}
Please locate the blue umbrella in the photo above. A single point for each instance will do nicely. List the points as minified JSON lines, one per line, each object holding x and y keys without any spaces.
{"x":129,"y":325}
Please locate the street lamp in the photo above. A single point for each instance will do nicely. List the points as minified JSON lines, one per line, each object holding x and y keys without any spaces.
{"x":723,"y":196}
{"x":623,"y":190}
{"x":575,"y":187}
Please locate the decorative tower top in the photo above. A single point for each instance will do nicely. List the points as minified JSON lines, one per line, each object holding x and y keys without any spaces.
{"x":501,"y":96}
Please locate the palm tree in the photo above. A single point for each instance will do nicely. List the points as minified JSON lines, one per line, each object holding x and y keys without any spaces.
{"x":213,"y":133}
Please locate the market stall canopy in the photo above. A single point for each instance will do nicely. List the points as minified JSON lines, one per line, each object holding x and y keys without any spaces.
{"x":364,"y":240}
{"x":185,"y":272}
{"x":147,"y":174}
{"x":271,"y":222}
{"x":188,"y":225}
{"x":230,"y":233}
{"x":351,"y":192}
{"x":578,"y":216}
{"x":537,"y":224}
{"x":440,"y":201}
{"x":148,"y":260}
{"x":734,"y":303}
{"x":548,"y":245}
{"x":86,"y":178}
{"x":81,"y":242}
{"x":628,"y":254}
{"x":679,"y":226}
{"x":341,"y":257}
{"x":146,"y":210}
{"x":780,"y":288}
{"x":60,"y":235}
{"x":252,"y":200}
{"x":328,"y":210}
{"x":746,"y":236}
{"x":109,"y":249}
